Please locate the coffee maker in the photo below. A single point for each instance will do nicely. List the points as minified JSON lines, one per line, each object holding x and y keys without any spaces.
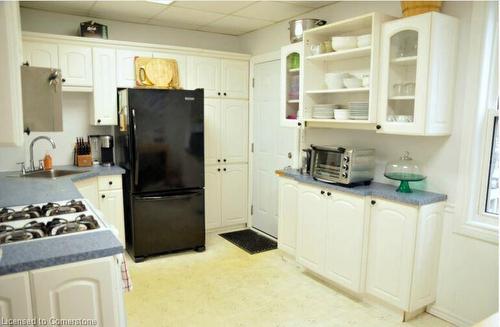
{"x":107,"y":157}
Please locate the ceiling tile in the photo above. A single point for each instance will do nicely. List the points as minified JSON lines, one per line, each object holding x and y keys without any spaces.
{"x":221,"y":7}
{"x":132,"y":11}
{"x":67,"y":7}
{"x":184,"y":18}
{"x":313,"y":4}
{"x":233,"y":25}
{"x":272,"y":10}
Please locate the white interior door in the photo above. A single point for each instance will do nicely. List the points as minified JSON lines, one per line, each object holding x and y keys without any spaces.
{"x":275,"y":147}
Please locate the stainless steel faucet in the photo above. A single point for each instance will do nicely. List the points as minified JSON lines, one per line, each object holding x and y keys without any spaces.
{"x":32,"y":163}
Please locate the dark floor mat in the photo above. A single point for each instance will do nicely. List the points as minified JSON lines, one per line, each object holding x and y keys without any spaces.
{"x":250,"y":241}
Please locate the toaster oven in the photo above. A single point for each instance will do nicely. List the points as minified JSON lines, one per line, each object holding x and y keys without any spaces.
{"x":340,"y":165}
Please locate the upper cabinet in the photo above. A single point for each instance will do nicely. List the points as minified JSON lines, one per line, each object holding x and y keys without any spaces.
{"x":181,"y":64}
{"x":291,"y":73}
{"x":417,"y":75}
{"x":76,"y":65}
{"x":219,"y":77}
{"x":103,"y":111}
{"x":125,"y":66}
{"x":38,"y":54}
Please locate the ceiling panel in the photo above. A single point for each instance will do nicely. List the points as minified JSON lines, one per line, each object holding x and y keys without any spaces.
{"x":67,"y":7}
{"x":313,"y":4}
{"x":131,"y":11}
{"x":221,"y":7}
{"x":233,"y":25}
{"x":272,"y":10}
{"x":184,"y":18}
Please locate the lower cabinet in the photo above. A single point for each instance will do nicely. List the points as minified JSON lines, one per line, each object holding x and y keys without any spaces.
{"x":225,"y":195}
{"x":15,"y":297}
{"x":82,"y":290}
{"x":105,"y":193}
{"x":287,"y":215}
{"x":403,"y":253}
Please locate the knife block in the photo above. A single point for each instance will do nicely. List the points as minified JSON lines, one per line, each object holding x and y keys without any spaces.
{"x":82,"y":160}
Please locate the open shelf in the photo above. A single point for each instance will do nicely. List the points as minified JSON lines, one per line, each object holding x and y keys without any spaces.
{"x":353,"y":90}
{"x":403,"y":97}
{"x":405,"y":61}
{"x":341,"y":55}
{"x":336,"y":123}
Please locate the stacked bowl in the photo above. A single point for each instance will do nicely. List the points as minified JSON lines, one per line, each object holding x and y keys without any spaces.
{"x":335,"y":81}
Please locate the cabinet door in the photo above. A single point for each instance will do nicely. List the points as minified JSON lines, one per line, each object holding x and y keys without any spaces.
{"x":234,"y":138}
{"x":311,"y":228}
{"x":181,"y":65}
{"x":76,"y":65}
{"x":235,"y":79}
{"x":104,"y":110}
{"x":125,"y":66}
{"x":287,"y":215}
{"x":88,"y":189}
{"x":391,"y":252}
{"x":234,"y":194}
{"x":87,"y":289}
{"x":40,"y":54}
{"x":212,"y":131}
{"x":15,"y":297}
{"x":404,"y":75}
{"x":213,"y":213}
{"x":205,"y":73}
{"x":111,"y":205}
{"x":344,"y":239}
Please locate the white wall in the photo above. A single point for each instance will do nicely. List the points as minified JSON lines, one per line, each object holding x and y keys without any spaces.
{"x":468,"y":278}
{"x":76,"y":118}
{"x":48,"y":22}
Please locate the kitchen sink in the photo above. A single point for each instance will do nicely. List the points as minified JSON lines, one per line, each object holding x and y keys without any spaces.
{"x":53,"y":173}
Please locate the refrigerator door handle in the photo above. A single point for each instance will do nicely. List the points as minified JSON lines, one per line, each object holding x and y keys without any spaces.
{"x":165,"y":197}
{"x":136,"y":154}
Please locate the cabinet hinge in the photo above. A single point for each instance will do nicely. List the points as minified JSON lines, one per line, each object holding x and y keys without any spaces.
{"x":252,"y":148}
{"x":251,"y":209}
{"x":253,"y":82}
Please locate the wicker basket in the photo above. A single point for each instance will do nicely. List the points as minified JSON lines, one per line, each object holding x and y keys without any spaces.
{"x":412,"y":8}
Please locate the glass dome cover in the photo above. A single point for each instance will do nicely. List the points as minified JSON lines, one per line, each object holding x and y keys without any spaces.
{"x":405,"y":170}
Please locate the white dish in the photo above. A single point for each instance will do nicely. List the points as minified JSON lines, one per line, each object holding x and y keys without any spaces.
{"x":364,"y":40}
{"x":334,"y":80}
{"x":340,"y":43}
{"x":352,"y":82}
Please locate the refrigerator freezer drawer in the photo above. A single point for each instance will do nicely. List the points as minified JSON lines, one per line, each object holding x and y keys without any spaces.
{"x":169,"y":222}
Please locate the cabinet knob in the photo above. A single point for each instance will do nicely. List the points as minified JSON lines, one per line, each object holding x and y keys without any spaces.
{"x":218,"y":169}
{"x":328,"y":193}
{"x":98,"y":121}
{"x":224,"y":169}
{"x":103,"y":196}
{"x":110,"y":183}
{"x":322,"y":192}
{"x":378,"y":127}
{"x":299,"y":124}
{"x":63,"y":80}
{"x":224,"y":160}
{"x":225,"y":94}
{"x":218,"y":160}
{"x":218,"y":93}
{"x":373,"y":202}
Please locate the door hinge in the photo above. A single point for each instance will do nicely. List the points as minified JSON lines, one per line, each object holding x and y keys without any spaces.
{"x":252,"y":148}
{"x":251,"y":210}
{"x":253,"y":82}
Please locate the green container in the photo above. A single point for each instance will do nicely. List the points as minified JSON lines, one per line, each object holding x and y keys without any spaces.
{"x":294,"y":61}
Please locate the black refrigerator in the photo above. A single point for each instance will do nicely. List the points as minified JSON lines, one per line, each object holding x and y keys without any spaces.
{"x":159,"y":143}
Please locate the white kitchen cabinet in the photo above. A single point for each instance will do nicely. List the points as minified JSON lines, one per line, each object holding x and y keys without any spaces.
{"x":89,"y":190}
{"x":311,"y":228}
{"x":403,"y":253}
{"x":291,"y":95}
{"x":103,"y":110}
{"x":287,"y":215}
{"x":234,"y":131}
{"x":38,"y":54}
{"x":226,"y":131}
{"x":213,"y":215}
{"x":345,"y":228}
{"x":234,"y":186}
{"x":417,"y":75}
{"x":76,"y":65}
{"x":15,"y":297}
{"x":181,"y":65}
{"x":219,"y":77}
{"x":11,"y":107}
{"x":235,"y":79}
{"x":205,"y":73}
{"x":82,"y":290}
{"x":125,"y":66}
{"x":111,"y":205}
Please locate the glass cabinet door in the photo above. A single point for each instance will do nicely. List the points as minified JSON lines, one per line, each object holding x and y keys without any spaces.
{"x":291,"y":58}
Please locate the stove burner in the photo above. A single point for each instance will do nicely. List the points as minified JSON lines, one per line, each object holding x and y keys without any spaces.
{"x":31,"y":230}
{"x":7,"y":214}
{"x":58,"y":226}
{"x":52,"y":209}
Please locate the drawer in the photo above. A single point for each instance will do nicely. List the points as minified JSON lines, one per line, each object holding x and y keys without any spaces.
{"x":113,"y":182}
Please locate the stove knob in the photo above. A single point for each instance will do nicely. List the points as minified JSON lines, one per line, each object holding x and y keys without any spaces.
{"x":346,"y":167}
{"x":346,"y":159}
{"x":344,"y":175}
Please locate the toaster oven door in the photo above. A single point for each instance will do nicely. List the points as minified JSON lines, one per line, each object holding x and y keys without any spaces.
{"x":327,"y":165}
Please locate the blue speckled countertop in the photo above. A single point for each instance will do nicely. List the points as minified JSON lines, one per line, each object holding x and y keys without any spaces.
{"x":24,"y":256}
{"x":375,"y":189}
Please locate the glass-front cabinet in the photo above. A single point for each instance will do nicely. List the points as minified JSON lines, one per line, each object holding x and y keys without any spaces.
{"x":417,"y":75}
{"x":291,"y":72}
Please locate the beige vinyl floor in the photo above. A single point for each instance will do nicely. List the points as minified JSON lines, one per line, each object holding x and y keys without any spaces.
{"x":225,"y":286}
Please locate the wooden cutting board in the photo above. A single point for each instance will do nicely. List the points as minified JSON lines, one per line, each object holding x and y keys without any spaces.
{"x":156,"y":73}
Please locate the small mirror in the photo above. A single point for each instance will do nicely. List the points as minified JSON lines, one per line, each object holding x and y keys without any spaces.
{"x":42,"y":99}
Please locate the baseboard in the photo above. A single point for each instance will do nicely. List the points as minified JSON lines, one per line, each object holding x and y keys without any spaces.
{"x":264,"y":234}
{"x":448,"y":316}
{"x":226,"y":229}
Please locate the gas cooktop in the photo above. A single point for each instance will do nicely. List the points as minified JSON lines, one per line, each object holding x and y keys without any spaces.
{"x":38,"y":221}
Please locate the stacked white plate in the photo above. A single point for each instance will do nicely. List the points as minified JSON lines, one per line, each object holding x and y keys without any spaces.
{"x":358,"y":110}
{"x":323,"y":111}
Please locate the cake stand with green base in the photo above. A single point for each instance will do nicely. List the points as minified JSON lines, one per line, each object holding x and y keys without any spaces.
{"x":405,"y":178}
